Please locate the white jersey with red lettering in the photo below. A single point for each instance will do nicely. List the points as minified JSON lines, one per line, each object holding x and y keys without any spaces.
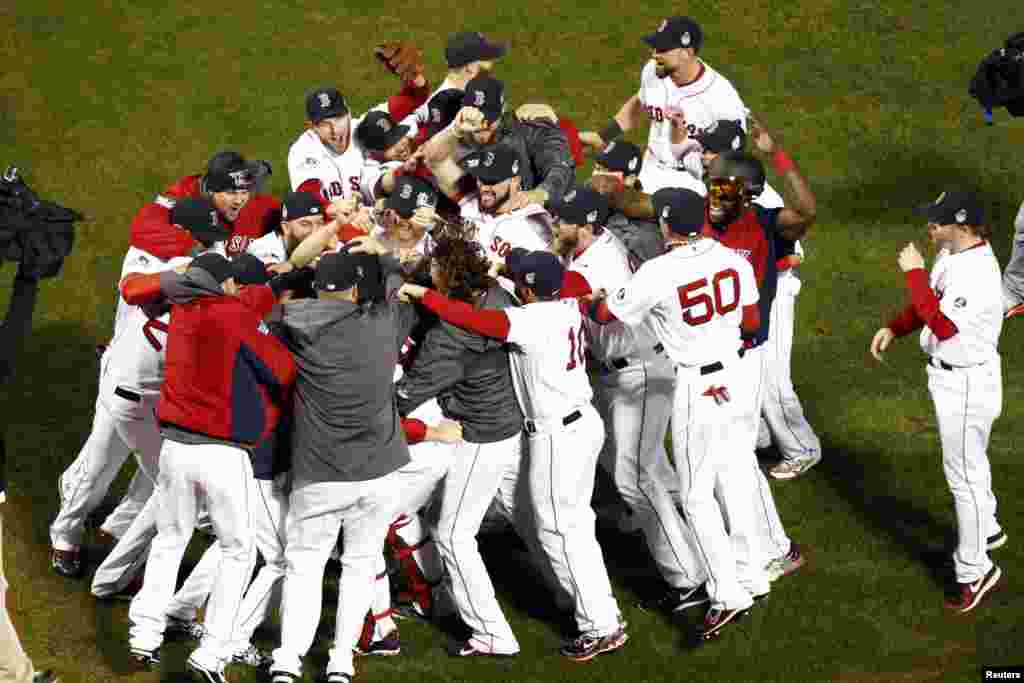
{"x":340,"y":175}
{"x":526,"y":228}
{"x":694,"y":296}
{"x":549,"y":372}
{"x":606,"y":264}
{"x":706,"y":100}
{"x":969,"y":288}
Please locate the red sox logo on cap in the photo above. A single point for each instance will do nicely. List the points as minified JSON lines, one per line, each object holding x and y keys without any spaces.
{"x":423,"y":199}
{"x":609,"y":148}
{"x":960,"y":216}
{"x":489,"y":159}
{"x":737,"y":143}
{"x":592,"y":217}
{"x":479,"y":98}
{"x":406,"y":192}
{"x":435,"y":115}
{"x":632,"y":163}
{"x":664,"y":213}
{"x":325,"y":100}
{"x":569,"y":197}
{"x":531,"y":278}
{"x":685,"y":39}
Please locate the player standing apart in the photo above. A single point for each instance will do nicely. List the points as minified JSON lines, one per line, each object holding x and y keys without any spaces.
{"x":959,"y":309}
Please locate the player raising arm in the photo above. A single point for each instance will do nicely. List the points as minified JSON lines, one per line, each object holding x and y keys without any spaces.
{"x":959,"y":309}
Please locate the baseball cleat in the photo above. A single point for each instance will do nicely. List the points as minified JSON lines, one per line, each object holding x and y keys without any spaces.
{"x":145,"y":659}
{"x":203,"y":674}
{"x":970,"y":594}
{"x":45,"y":677}
{"x":475,"y":648}
{"x":676,"y":600}
{"x":791,"y":469}
{"x":585,"y":647}
{"x":184,"y":629}
{"x":716,"y":619}
{"x":996,"y":541}
{"x":388,"y":646}
{"x":252,"y":656}
{"x":785,"y":565}
{"x":67,"y":563}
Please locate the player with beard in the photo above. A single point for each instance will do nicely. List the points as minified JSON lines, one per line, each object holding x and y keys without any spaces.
{"x":678,"y":91}
{"x":301,"y":215}
{"x":497,"y":171}
{"x":546,"y":166}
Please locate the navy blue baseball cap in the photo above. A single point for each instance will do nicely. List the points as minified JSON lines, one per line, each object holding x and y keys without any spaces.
{"x":410,"y":193}
{"x":621,"y":156}
{"x":199,"y":216}
{"x":442,"y":109}
{"x":249,"y":270}
{"x":582,"y":205}
{"x":541,"y":271}
{"x":325,"y":103}
{"x":676,"y":32}
{"x":467,"y":47}
{"x":298,"y":205}
{"x":681,"y":210}
{"x":492,"y":164}
{"x":378,"y":131}
{"x":722,"y":136}
{"x":486,"y":94}
{"x":213,"y":263}
{"x":955,"y":206}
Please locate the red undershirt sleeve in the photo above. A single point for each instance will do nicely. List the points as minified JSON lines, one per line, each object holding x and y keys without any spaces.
{"x":488,"y":323}
{"x":408,"y":100}
{"x":573,"y":285}
{"x":138,"y":289}
{"x":905,"y":322}
{"x":415,"y":430}
{"x":751,"y":322}
{"x":926,"y":304}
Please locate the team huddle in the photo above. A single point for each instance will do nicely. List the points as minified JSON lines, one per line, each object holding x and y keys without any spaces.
{"x":441,"y":330}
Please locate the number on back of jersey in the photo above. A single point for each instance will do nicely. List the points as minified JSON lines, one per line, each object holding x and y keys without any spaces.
{"x":701,"y":301}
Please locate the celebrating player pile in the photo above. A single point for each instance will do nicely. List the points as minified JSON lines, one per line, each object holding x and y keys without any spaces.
{"x":439,"y":332}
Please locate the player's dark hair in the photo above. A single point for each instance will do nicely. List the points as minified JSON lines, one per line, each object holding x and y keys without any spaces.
{"x":462,"y":262}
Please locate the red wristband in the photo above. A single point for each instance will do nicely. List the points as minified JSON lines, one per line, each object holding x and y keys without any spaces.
{"x":783,"y":163}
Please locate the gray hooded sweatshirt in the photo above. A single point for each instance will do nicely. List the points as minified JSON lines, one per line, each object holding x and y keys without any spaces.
{"x":345,"y":426}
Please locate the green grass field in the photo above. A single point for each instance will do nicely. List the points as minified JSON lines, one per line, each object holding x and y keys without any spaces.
{"x":104,"y":103}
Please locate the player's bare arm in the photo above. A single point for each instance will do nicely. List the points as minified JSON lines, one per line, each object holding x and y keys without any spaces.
{"x":311,"y":247}
{"x":801,"y":206}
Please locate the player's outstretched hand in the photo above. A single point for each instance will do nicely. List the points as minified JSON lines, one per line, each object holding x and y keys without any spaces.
{"x":524,"y":199}
{"x":763,"y":141}
{"x":409,"y":293}
{"x":910,"y":258}
{"x":881,"y":342}
{"x":424,"y":218}
{"x":592,"y":141}
{"x":445,"y":431}
{"x":468,"y":121}
{"x":280,"y":268}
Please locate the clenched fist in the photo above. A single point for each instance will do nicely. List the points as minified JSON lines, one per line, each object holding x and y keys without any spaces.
{"x":910,"y":258}
{"x":881,"y":342}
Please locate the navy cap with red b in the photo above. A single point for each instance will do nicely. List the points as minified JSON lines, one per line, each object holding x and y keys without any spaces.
{"x":325,"y":103}
{"x":680,"y":209}
{"x":676,"y":32}
{"x":486,"y":94}
{"x":541,"y":271}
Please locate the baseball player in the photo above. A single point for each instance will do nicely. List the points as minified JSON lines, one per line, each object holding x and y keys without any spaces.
{"x":959,"y":309}
{"x":124,"y":420}
{"x":633,"y":389}
{"x":616,"y":170}
{"x":675,"y":85}
{"x":782,"y":416}
{"x":496,"y":169}
{"x":1013,"y":275}
{"x":302,"y":214}
{"x":207,"y":426}
{"x":564,"y":434}
{"x":697,"y":297}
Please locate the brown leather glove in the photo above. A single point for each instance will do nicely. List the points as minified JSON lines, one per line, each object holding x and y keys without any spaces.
{"x":401,"y":58}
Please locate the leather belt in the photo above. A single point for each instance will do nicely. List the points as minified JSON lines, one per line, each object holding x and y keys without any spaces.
{"x":623,"y":363}
{"x":127,"y":395}
{"x":530,"y":426}
{"x":713,"y":367}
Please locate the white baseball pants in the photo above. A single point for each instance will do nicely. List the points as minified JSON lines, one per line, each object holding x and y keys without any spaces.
{"x":967,"y":402}
{"x":711,"y":457}
{"x":781,"y":410}
{"x":477,"y":474}
{"x":119,"y":427}
{"x":15,"y":665}
{"x":636,"y":405}
{"x":363,"y":511}
{"x":222,"y":476}
{"x":749,"y":378}
{"x":560,"y":465}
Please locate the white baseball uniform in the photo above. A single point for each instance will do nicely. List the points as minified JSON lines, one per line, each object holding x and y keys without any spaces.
{"x":270,"y":248}
{"x":703,"y":340}
{"x":633,"y":387}
{"x":564,"y":438}
{"x":526,"y":228}
{"x":706,"y":100}
{"x":965,"y":381}
{"x":131,"y":372}
{"x":1013,"y":274}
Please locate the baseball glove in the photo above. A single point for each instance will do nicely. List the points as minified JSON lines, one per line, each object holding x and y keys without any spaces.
{"x":400,"y":58}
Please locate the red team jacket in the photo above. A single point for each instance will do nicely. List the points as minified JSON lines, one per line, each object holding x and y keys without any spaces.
{"x":224,"y":378}
{"x":153,"y":232}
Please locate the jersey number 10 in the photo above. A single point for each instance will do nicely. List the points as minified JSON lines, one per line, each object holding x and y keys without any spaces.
{"x":576,"y":348}
{"x":700,"y":306}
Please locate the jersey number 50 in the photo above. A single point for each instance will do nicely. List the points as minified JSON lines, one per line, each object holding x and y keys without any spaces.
{"x":700,"y":306}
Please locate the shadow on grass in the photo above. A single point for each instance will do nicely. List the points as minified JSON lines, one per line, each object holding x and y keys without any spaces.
{"x":863,"y":479}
